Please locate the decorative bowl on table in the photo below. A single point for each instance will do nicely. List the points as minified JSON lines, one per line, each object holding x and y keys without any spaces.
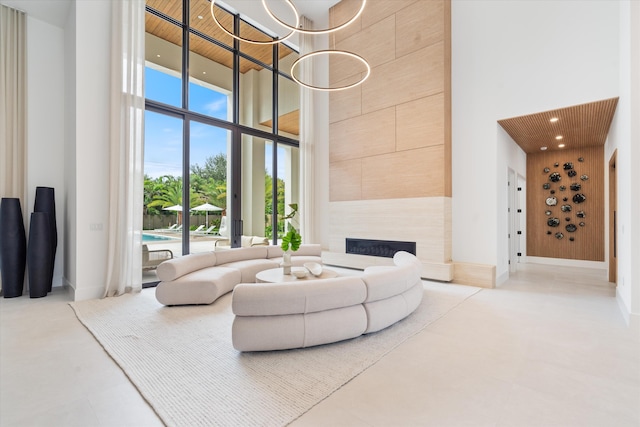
{"x":299,"y":274}
{"x":314,"y":268}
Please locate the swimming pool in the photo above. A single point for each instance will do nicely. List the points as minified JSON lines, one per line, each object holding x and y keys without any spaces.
{"x":156,"y":238}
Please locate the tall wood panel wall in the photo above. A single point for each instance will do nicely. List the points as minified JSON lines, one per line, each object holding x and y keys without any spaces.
{"x":587,"y":216}
{"x":390,"y":138}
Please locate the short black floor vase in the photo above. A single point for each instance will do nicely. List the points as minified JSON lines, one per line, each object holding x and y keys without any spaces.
{"x":46,"y":202}
{"x":13,"y":247}
{"x":39,"y":255}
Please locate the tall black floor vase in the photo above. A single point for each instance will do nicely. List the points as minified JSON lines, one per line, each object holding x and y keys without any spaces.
{"x":46,"y":202}
{"x":39,"y":255}
{"x":13,"y":247}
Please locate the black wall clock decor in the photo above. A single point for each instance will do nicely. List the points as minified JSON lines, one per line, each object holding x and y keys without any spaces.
{"x":570,"y":224}
{"x":579,"y":198}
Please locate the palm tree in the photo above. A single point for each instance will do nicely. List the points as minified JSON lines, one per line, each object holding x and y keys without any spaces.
{"x":169,"y":194}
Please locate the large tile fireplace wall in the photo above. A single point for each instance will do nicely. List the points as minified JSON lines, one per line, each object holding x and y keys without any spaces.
{"x":390,"y":138}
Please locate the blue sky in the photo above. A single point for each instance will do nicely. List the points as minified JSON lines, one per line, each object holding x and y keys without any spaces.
{"x":163,"y":134}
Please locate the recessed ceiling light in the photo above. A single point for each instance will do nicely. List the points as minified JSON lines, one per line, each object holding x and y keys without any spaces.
{"x":543,"y":148}
{"x":560,"y":145}
{"x":158,"y":56}
{"x":204,"y":72}
{"x":559,"y":137}
{"x":553,"y":119}
{"x":199,"y":16}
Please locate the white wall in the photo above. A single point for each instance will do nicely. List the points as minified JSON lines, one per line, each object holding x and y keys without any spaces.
{"x":634,"y":182}
{"x":511,"y":58}
{"x":624,"y":136}
{"x":320,"y":125}
{"x":509,"y":155}
{"x":45,"y":123}
{"x":70,"y":216}
{"x":92,"y":82}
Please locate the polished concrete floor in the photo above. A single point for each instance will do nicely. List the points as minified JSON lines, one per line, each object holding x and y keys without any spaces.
{"x":547,"y":348}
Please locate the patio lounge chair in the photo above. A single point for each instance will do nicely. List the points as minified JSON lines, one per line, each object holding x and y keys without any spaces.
{"x":207,"y":231}
{"x":245,"y":242}
{"x":152,"y":259}
{"x":172,"y":228}
{"x":198,"y":230}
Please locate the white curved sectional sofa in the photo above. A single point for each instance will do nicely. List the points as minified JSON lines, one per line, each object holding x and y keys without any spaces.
{"x":278,"y":316}
{"x":204,"y":277}
{"x":294,"y":314}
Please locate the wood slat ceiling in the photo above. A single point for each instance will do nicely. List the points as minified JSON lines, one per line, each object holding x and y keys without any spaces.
{"x":200,"y":18}
{"x":580,"y":126}
{"x":289,"y":122}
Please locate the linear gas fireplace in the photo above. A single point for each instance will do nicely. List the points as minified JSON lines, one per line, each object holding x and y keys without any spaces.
{"x":381,"y":248}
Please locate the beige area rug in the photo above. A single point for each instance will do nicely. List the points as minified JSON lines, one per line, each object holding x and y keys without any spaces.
{"x":182,"y":361}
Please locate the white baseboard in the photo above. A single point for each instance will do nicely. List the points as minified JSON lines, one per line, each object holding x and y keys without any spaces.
{"x":632,"y":319}
{"x":502,"y":278}
{"x":601,"y":265}
{"x":83,"y":294}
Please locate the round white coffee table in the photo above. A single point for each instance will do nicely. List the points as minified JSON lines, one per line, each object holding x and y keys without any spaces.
{"x":275,"y":275}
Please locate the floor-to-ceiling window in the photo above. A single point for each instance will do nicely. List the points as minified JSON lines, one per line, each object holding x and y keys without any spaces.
{"x":221,"y":130}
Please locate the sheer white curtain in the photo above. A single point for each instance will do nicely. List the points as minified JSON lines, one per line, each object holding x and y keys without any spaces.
{"x":13,"y":104}
{"x":307,"y":150}
{"x":124,"y":270}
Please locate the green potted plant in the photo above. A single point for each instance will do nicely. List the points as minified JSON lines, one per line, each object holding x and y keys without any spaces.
{"x":291,"y":240}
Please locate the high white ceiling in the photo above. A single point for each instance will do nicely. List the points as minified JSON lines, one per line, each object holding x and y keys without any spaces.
{"x":53,"y":12}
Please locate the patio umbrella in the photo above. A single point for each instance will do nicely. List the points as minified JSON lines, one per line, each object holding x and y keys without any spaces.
{"x":176,"y":208}
{"x":206,"y":207}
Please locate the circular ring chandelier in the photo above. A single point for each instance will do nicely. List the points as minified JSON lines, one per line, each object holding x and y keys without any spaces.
{"x":329,"y":53}
{"x":259,"y":42}
{"x":305,"y":31}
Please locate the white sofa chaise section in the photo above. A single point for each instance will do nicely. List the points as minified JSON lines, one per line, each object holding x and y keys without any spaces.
{"x":278,"y":316}
{"x":204,"y":277}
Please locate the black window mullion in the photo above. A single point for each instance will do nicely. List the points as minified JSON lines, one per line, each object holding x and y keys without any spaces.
{"x":236,"y":147}
{"x":186,"y":131}
{"x":274,"y":88}
{"x":274,"y":145}
{"x":186,"y":137}
{"x":274,"y":191}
